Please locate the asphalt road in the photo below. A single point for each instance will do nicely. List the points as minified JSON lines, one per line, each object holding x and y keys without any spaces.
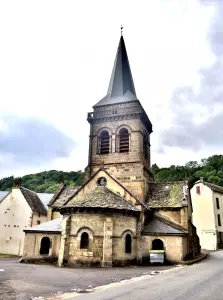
{"x":25,"y":281}
{"x":202,"y":281}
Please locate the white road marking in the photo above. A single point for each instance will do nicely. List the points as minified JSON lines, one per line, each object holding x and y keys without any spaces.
{"x":2,"y":270}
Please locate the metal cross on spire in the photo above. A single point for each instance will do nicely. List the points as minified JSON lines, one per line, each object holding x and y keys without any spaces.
{"x":121,"y":29}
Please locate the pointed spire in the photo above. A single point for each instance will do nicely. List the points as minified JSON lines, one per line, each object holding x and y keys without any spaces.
{"x":121,"y":87}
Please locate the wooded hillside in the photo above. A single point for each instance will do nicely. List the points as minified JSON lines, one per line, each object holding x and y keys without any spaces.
{"x":44,"y":182}
{"x":211,"y":169}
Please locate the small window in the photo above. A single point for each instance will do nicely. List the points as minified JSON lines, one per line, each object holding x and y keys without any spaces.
{"x":219,"y":220}
{"x":198,"y":190}
{"x":84,"y":241}
{"x":128,"y":244}
{"x":38,"y":222}
{"x":217,"y":203}
{"x":102,"y":181}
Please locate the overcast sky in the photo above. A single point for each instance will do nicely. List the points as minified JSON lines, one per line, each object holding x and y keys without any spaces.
{"x":56,"y":59}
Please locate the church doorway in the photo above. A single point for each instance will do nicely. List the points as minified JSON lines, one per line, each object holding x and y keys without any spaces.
{"x":45,"y":245}
{"x":157,"y":244}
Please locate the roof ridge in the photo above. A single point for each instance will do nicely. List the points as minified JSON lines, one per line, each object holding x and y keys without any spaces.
{"x":56,"y":195}
{"x":101,"y":197}
{"x":22,"y":187}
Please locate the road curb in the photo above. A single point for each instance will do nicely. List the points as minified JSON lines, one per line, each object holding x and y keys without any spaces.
{"x":194,"y":261}
{"x":72,"y":295}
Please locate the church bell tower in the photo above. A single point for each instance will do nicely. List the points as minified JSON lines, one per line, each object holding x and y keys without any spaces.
{"x":120,"y":131}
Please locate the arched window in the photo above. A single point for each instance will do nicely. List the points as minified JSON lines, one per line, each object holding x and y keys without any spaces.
{"x":84,"y":241}
{"x":157,"y":244}
{"x":128,"y":243}
{"x":123,"y":140}
{"x":45,"y":245}
{"x":104,"y":142}
{"x":145,"y":145}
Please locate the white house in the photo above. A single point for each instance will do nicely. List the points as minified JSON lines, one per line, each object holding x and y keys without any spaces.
{"x":207,"y":202}
{"x":19,"y":209}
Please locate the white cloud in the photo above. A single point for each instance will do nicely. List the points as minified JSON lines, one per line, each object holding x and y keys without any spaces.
{"x":57,"y":58}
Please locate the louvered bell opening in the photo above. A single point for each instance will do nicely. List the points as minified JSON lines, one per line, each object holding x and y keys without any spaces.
{"x":145,"y":146}
{"x":105,"y":142}
{"x":123,"y":140}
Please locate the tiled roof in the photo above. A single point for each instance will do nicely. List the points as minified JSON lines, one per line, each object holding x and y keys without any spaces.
{"x":167,"y":194}
{"x":118,"y":182}
{"x":51,"y":226}
{"x":160,"y":226}
{"x":121,"y":87}
{"x":62,"y":195}
{"x":34,"y":201}
{"x":214,"y":187}
{"x":101,"y":197}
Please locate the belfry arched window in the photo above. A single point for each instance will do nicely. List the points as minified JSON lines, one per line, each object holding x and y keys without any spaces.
{"x":123,"y":145}
{"x":145,"y":145}
{"x":84,"y":241}
{"x":104,"y":142}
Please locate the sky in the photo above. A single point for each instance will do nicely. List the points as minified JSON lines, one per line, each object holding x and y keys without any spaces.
{"x":56,"y":59}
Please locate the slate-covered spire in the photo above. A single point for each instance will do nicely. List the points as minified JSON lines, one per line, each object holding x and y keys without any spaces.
{"x":121,"y":87}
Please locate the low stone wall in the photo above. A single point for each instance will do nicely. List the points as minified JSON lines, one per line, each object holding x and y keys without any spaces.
{"x":40,"y":260}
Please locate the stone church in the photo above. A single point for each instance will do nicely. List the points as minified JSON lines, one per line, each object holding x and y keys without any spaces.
{"x":120,"y":213}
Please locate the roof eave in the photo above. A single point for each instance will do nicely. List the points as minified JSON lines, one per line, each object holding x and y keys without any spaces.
{"x":41,"y":231}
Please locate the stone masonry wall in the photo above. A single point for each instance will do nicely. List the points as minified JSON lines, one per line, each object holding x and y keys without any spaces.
{"x":175,"y":247}
{"x":32,"y":245}
{"x":94,"y":224}
{"x":128,"y":168}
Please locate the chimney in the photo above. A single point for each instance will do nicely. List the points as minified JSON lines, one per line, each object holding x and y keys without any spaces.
{"x":202,"y":179}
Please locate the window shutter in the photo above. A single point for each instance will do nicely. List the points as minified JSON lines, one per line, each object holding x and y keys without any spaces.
{"x":198,"y":190}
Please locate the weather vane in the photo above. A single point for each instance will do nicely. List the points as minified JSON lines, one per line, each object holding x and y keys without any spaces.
{"x":121,"y":29}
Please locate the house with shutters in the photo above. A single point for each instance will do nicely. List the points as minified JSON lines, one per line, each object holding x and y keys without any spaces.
{"x":120,"y":213}
{"x":207,"y":201}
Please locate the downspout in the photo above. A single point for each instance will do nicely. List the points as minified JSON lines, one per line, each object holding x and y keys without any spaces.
{"x":215,"y":226}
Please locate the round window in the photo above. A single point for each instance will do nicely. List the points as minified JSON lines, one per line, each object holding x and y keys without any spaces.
{"x":102,"y":181}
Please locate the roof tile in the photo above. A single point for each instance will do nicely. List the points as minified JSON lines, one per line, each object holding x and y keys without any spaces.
{"x":34,"y":201}
{"x":101,"y":197}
